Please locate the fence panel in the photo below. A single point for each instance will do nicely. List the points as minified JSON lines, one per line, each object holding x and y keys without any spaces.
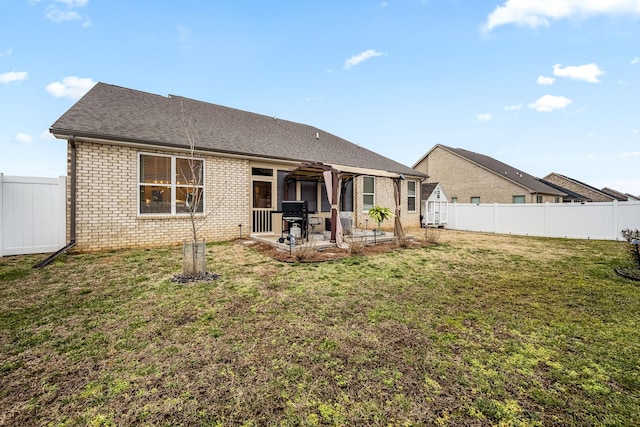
{"x":602,"y":221}
{"x":32,"y":214}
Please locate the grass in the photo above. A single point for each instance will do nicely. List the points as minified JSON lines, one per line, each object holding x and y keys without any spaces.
{"x":477,"y":330}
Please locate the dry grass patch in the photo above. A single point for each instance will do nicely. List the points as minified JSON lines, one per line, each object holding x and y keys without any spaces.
{"x":477,"y":330}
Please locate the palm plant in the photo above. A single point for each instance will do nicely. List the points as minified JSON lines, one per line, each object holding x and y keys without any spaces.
{"x":379,"y":214}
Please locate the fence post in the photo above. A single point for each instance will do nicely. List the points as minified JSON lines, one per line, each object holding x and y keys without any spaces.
{"x":615,"y":219}
{"x":1,"y":210}
{"x":495,"y":217}
{"x":62,"y":222}
{"x":546,"y":219}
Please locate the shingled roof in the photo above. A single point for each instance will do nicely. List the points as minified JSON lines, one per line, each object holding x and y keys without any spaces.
{"x":533,"y":184}
{"x":114,"y":113}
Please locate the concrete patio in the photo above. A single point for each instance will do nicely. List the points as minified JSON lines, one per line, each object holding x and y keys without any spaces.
{"x":321,"y":240}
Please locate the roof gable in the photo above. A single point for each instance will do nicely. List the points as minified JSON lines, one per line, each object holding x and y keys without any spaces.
{"x":428,"y":188}
{"x":505,"y":171}
{"x":578,"y":183}
{"x":119,"y":114}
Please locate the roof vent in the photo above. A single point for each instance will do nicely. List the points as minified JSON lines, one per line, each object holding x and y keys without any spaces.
{"x":317,"y":135}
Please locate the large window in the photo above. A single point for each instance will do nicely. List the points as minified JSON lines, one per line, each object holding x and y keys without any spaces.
{"x":411,"y":196}
{"x":170,"y":185}
{"x":368,"y":193}
{"x":309,"y":192}
{"x":518,"y":199}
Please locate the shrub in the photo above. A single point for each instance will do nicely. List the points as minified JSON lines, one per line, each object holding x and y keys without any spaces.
{"x":633,"y":237}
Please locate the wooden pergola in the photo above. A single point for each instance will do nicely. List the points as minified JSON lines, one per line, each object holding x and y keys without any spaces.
{"x":333,"y":177}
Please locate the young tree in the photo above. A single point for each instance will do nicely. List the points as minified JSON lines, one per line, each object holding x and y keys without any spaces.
{"x":191,"y":177}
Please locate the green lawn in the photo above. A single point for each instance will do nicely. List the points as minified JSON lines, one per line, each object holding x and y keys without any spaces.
{"x":477,"y":330}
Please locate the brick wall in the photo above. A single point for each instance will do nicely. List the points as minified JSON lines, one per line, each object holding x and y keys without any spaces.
{"x":384,"y":197}
{"x":107,"y":201}
{"x":463,"y":179}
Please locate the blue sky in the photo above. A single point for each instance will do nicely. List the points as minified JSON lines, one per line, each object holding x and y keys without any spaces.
{"x":545,"y":86}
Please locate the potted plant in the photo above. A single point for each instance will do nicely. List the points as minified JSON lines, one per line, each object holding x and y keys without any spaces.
{"x":379,"y":214}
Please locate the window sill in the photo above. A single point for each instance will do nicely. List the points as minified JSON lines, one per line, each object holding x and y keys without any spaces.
{"x":168,"y":216}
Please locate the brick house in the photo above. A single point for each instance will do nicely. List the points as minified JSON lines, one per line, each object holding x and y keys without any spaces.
{"x":470,"y":177}
{"x":128,"y":150}
{"x":589,"y":193}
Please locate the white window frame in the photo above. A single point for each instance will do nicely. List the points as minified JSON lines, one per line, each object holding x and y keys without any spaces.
{"x":516,"y":199}
{"x":173,"y":186}
{"x":364,"y":209}
{"x":412,"y":196}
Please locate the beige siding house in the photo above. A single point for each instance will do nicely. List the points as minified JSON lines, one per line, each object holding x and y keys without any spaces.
{"x":128,"y":151}
{"x":469,"y":177}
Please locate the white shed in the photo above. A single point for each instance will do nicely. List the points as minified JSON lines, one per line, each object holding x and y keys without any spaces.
{"x":434,"y":205}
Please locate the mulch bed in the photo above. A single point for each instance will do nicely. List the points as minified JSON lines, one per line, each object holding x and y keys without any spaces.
{"x":311,"y":254}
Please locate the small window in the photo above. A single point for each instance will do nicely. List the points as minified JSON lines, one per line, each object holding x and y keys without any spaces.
{"x":261,"y":172}
{"x":538,"y":199}
{"x":518,"y":199}
{"x":454,"y":200}
{"x":557,"y":199}
{"x":475,"y":200}
{"x":368,"y":193}
{"x":411,"y":196}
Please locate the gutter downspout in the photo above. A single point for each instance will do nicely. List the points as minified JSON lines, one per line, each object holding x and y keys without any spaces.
{"x":72,"y":208}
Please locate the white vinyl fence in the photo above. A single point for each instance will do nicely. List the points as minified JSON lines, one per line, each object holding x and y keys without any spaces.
{"x":602,"y":221}
{"x":32,"y":214}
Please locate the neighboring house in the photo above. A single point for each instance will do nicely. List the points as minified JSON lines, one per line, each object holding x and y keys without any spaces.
{"x":128,"y":151}
{"x":592,"y":194}
{"x":621,"y":197}
{"x":475,"y":178}
{"x":570,"y":196}
{"x":435,"y":205}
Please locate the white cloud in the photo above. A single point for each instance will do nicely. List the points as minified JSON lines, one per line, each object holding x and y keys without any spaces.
{"x":13,"y":76}
{"x":633,"y":153}
{"x":548,"y":103}
{"x":515,"y":107}
{"x":384,"y":4}
{"x":588,"y":72}
{"x":74,"y":3}
{"x":71,"y":87}
{"x":56,"y":15}
{"x":23,"y":137}
{"x":545,"y":81}
{"x":635,"y":60}
{"x":7,"y":52}
{"x":357,"y":59}
{"x":539,"y":13}
{"x":635,"y":131}
{"x":485,"y":117}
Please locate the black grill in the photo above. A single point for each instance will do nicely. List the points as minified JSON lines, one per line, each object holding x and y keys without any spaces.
{"x":296,"y":212}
